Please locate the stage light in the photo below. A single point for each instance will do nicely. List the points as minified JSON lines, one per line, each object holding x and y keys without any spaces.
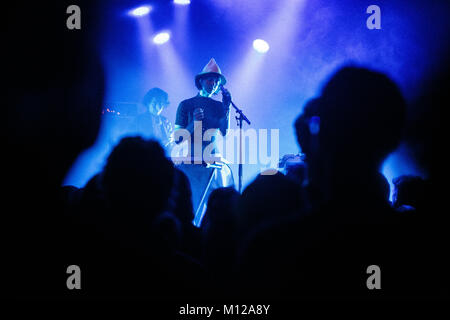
{"x":183,"y":2}
{"x":140,"y":11}
{"x":161,"y":38}
{"x":261,"y":46}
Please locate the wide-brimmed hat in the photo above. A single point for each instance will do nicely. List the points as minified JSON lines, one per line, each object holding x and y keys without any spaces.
{"x":210,"y":69}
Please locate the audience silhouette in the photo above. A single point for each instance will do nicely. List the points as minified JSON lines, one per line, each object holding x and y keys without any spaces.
{"x":411,"y":192}
{"x":312,"y":233}
{"x":219,"y":235}
{"x":53,"y":112}
{"x":345,"y":134}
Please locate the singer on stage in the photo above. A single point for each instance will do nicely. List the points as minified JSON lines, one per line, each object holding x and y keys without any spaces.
{"x":211,"y":113}
{"x":208,"y":113}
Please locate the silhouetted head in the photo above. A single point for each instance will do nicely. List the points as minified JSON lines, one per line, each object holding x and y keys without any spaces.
{"x":267,"y":198}
{"x":410,"y":191}
{"x":155,"y":100}
{"x":138,"y":176}
{"x":348,"y":131}
{"x":307,"y":126}
{"x":222,"y":205}
{"x":55,"y":83}
{"x":362,"y":113}
{"x":181,"y":198}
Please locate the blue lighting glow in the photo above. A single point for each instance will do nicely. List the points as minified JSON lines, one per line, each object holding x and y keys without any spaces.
{"x":261,"y":46}
{"x":161,"y":38}
{"x":182,"y":2}
{"x":140,"y":11}
{"x":308,"y":41}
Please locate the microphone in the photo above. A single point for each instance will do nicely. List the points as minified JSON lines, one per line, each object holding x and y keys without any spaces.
{"x":224,"y":91}
{"x":243,"y":117}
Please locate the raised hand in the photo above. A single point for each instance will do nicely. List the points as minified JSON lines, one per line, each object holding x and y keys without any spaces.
{"x":226,"y":97}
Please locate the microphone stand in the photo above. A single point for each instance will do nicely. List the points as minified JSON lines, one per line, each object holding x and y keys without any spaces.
{"x":239,"y":118}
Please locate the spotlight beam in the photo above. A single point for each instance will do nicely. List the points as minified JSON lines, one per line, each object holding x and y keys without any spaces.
{"x":182,"y":2}
{"x":261,"y":46}
{"x":140,"y":11}
{"x":161,"y":38}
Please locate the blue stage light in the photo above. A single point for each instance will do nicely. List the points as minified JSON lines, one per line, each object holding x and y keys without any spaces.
{"x":140,"y":11}
{"x":161,"y":38}
{"x":261,"y":46}
{"x":183,"y":2}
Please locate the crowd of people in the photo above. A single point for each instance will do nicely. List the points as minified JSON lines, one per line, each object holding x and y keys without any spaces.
{"x":130,"y":228}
